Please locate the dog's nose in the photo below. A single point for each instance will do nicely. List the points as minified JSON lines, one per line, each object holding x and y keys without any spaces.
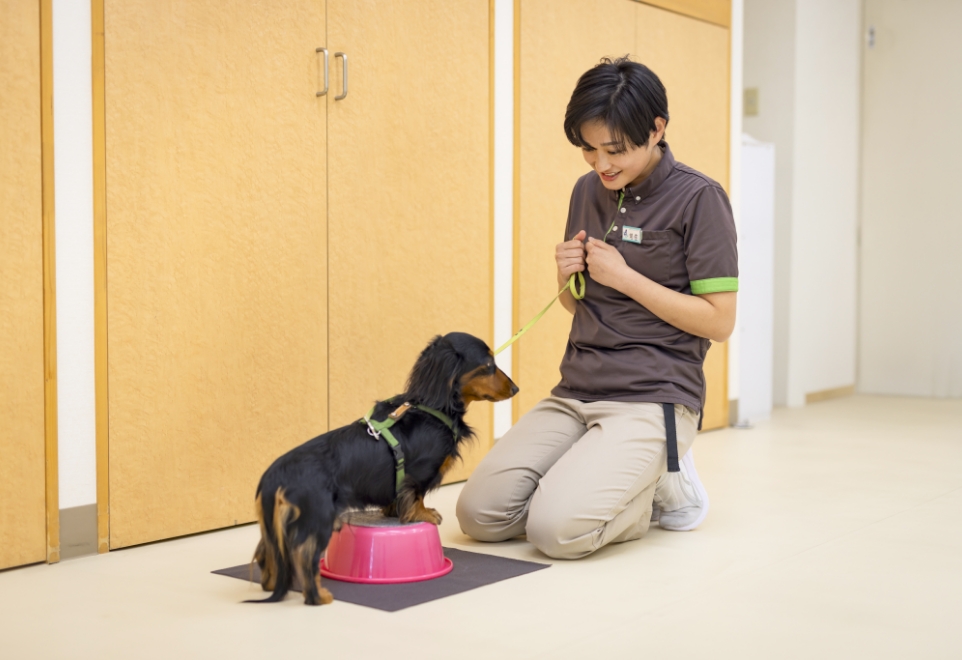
{"x":514,"y":389}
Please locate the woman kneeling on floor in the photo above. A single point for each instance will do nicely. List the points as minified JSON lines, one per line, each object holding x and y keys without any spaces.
{"x":597,"y":461}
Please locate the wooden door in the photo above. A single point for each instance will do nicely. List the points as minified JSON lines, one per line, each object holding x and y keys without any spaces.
{"x":216,"y":251}
{"x":22,"y":481}
{"x":409,"y":176}
{"x":558,"y":44}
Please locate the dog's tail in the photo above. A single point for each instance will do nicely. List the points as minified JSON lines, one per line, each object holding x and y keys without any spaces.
{"x":276,"y":541}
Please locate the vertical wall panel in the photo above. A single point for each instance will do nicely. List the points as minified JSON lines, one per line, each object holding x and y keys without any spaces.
{"x":22,"y":481}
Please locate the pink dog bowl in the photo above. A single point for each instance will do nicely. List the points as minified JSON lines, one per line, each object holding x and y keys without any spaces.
{"x":373,"y":549}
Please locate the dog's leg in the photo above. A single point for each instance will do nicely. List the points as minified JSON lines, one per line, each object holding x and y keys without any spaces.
{"x":317,"y":525}
{"x":410,"y":506}
{"x":285,"y":514}
{"x":277,"y":546}
{"x":307,"y":559}
{"x":265,"y":561}
{"x":323,"y":594}
{"x":421,"y":513}
{"x":390,"y":511}
{"x":322,"y":538}
{"x":264,"y":554}
{"x":447,"y":465}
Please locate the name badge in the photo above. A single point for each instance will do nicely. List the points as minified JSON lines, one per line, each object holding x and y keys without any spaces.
{"x":631,"y":234}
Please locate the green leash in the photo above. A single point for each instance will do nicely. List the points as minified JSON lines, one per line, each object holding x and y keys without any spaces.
{"x":378,"y":430}
{"x":570,"y":286}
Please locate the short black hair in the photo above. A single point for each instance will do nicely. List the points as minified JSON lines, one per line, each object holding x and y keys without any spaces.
{"x":625,"y":95}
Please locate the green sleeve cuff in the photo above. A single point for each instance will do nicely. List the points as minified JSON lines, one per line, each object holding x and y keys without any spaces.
{"x":714,"y":285}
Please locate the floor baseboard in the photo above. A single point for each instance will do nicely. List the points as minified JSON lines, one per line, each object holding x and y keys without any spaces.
{"x":834,"y":393}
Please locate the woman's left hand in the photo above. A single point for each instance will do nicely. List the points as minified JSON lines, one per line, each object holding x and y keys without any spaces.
{"x":605,"y":264}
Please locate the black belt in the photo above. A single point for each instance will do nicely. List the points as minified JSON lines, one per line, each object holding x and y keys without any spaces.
{"x":672,"y":435}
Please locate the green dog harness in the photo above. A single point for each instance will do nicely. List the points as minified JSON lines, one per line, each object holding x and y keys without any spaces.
{"x":378,"y":430}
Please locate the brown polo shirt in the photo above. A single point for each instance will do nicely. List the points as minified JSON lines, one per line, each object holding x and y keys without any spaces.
{"x":676,"y":228}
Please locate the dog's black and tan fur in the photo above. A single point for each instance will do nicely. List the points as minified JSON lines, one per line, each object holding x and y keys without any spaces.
{"x":302,"y":495}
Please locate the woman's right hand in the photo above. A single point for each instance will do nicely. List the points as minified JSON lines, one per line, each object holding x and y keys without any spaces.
{"x":570,"y":257}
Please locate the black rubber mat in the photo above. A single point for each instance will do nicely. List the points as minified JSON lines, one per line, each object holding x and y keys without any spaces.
{"x":471,"y":570}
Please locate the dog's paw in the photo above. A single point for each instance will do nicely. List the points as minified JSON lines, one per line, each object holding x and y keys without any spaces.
{"x":432,"y":516}
{"x":323,"y":597}
{"x":422,"y":514}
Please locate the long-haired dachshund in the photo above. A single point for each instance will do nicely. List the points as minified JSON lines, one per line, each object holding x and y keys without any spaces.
{"x":303,"y":493}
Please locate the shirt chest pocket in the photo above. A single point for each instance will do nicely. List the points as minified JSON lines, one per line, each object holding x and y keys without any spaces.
{"x":651,"y":257}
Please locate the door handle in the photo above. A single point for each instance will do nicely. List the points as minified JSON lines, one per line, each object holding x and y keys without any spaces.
{"x":323,"y":50}
{"x":343,"y":57}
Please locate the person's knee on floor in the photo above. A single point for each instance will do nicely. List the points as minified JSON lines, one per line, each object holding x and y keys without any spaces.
{"x":481,"y":519}
{"x":551,"y":540}
{"x":560,"y":536}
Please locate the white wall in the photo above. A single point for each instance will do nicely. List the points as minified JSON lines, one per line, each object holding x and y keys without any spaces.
{"x":804,"y":58}
{"x":756,"y":270}
{"x":73,"y":187}
{"x":911,"y":309}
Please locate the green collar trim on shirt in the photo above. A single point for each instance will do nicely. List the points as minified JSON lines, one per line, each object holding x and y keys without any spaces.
{"x":714,"y":285}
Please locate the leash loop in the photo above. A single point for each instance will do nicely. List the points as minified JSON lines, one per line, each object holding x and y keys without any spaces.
{"x":578,"y":295}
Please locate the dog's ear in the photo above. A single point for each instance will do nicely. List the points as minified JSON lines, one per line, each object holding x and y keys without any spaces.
{"x":433,"y":380}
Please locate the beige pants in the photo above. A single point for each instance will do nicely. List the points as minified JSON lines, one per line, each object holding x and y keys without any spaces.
{"x":573,"y":476}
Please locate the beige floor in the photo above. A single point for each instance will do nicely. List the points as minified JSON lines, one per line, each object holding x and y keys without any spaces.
{"x":834,"y":533}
